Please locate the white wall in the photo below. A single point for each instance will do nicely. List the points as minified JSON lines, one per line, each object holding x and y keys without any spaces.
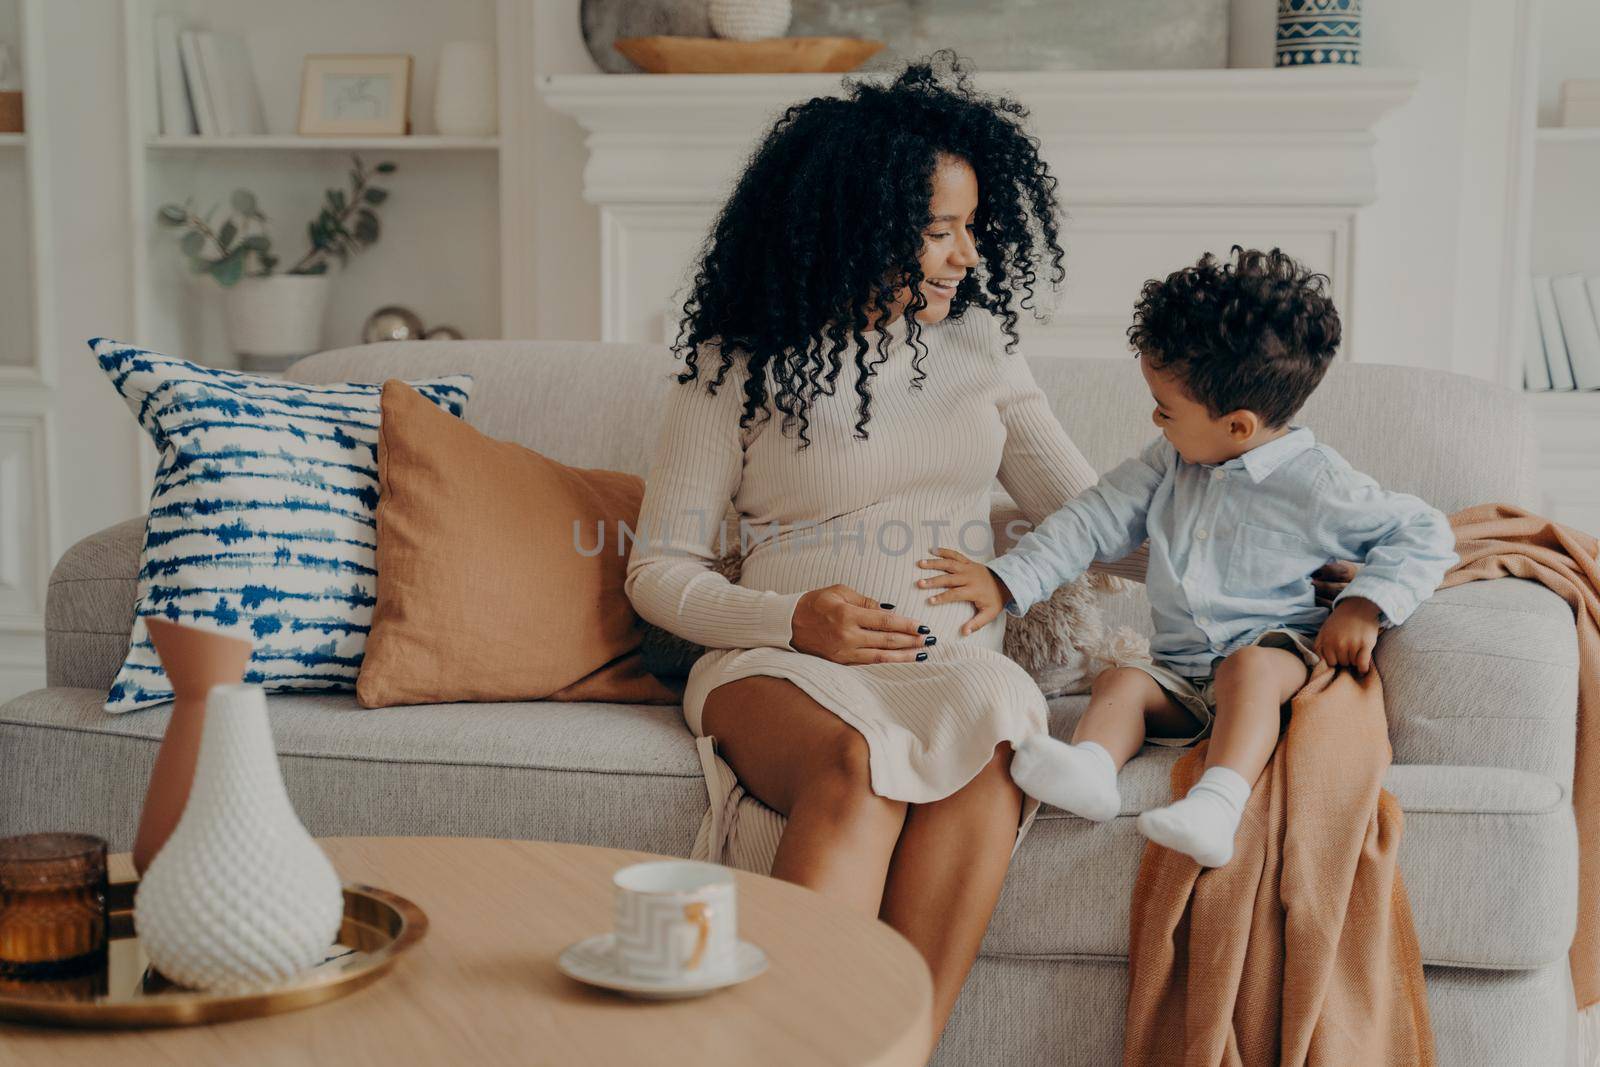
{"x":1428,"y":254}
{"x":1431,"y":250}
{"x":568,"y":266}
{"x":96,"y":472}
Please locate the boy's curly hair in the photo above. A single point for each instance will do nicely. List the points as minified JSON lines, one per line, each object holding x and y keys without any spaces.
{"x":1255,"y":333}
{"x":826,"y":222}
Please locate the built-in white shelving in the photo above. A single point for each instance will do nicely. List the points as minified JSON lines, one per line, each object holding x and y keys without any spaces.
{"x":296,"y":142}
{"x":1568,"y":134}
{"x":453,"y":241}
{"x":1562,"y":235}
{"x":30,"y":522}
{"x":440,"y":252}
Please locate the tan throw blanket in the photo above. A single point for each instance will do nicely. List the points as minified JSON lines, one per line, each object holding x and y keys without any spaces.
{"x":1498,"y":541}
{"x":1302,"y":949}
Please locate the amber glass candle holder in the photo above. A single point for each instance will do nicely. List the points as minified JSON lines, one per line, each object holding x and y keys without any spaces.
{"x":52,"y":905}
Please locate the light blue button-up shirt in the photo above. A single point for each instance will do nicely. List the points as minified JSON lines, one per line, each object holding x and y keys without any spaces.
{"x":1233,"y":546}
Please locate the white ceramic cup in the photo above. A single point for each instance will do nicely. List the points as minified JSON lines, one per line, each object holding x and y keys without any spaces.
{"x":676,"y":921}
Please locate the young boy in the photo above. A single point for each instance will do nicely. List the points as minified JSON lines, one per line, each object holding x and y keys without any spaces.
{"x":1239,"y":508}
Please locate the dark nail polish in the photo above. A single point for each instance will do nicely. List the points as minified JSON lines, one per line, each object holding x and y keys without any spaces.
{"x":930,"y":640}
{"x":922,"y":629}
{"x":921,"y":656}
{"x":886,"y":607}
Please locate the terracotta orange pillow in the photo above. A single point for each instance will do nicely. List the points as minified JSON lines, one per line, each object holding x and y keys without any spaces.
{"x":483,"y":593}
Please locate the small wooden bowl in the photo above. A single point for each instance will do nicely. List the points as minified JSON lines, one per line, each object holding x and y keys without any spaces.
{"x":777,"y":55}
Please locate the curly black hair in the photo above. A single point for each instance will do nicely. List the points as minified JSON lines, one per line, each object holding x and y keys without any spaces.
{"x":1255,"y":333}
{"x":826,"y":223}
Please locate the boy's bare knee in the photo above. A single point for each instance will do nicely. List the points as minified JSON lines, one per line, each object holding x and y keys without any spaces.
{"x":1116,"y":677}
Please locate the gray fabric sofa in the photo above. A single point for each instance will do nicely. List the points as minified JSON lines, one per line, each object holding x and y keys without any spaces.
{"x":1481,"y":687}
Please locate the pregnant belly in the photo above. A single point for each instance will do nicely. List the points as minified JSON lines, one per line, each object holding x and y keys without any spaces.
{"x":879,"y":560}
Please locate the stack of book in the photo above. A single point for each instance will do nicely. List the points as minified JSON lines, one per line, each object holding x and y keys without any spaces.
{"x":1564,"y":334}
{"x":204,"y":83}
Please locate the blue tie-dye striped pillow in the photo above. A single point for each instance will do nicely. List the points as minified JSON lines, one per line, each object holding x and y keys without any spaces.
{"x":262,"y":518}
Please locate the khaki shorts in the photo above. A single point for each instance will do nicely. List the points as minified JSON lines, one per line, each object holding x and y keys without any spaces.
{"x":1196,"y":694}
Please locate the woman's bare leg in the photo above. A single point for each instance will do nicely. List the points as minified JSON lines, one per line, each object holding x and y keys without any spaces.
{"x":803,"y":761}
{"x":945,"y":878}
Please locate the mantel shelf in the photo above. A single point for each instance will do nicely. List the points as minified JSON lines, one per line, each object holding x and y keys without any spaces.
{"x":1092,"y":101}
{"x":1585,"y":401}
{"x":1137,"y":138}
{"x":13,"y":140}
{"x":416,"y":143}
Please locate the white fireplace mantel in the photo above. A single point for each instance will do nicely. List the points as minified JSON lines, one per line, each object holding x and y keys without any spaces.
{"x":1155,"y":166}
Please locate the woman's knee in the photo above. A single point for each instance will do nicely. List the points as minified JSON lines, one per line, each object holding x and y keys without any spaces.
{"x":838,"y":776}
{"x":995,"y":778}
{"x":787,"y":749}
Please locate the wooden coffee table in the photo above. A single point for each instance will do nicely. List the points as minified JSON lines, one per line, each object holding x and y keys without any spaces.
{"x":483,"y":986}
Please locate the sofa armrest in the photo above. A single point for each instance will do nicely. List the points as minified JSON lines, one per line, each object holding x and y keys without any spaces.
{"x":88,"y":612}
{"x":1485,"y":675}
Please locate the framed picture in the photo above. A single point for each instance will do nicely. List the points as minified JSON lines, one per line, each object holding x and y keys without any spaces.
{"x":356,"y":94}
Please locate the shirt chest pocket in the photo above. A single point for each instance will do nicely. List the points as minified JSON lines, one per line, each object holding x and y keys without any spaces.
{"x":1269,"y":561}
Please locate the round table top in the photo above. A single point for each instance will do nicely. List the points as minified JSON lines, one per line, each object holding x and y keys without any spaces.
{"x":483,"y":986}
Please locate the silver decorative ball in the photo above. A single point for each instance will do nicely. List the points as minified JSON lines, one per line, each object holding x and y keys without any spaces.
{"x":392,"y":323}
{"x":442,"y":333}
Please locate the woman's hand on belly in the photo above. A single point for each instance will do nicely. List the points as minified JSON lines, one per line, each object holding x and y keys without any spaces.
{"x":839,"y":624}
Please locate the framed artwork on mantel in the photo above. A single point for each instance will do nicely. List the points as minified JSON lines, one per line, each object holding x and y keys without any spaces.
{"x":342,"y":95}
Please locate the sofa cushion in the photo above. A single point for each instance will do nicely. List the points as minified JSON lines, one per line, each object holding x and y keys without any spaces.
{"x":260,"y":521}
{"x":89,"y":604}
{"x":1488,"y":855}
{"x":623,"y":776}
{"x":1489,"y":860}
{"x":489,"y":584}
{"x":1449,"y":439}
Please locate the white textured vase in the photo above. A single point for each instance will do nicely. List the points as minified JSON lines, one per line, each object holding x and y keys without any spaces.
{"x":466,"y":94}
{"x":240,"y":896}
{"x":750,"y":20}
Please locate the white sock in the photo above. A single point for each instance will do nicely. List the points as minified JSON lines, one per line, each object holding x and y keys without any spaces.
{"x":1202,"y":824}
{"x":1080,"y":778}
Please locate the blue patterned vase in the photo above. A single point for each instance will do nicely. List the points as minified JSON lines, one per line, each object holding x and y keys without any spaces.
{"x":1312,"y":32}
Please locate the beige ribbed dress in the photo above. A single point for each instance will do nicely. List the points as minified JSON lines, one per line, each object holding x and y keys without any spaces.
{"x":861,"y":513}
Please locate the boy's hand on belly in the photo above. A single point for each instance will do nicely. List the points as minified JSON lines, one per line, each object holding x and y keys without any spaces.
{"x":965,"y":579}
{"x":1346,"y":639}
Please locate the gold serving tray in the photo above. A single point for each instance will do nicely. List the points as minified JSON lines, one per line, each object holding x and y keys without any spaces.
{"x":127,"y":992}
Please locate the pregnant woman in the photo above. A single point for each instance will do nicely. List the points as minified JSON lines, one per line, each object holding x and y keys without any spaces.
{"x":852,"y":386}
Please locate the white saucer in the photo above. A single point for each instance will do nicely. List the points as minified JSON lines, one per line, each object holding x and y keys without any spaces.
{"x":593,"y":961}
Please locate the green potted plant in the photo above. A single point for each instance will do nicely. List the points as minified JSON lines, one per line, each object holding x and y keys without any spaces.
{"x":274,"y":317}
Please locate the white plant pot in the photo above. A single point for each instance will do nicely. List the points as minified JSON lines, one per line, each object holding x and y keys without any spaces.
{"x":750,"y":20}
{"x":240,"y":897}
{"x":277,"y":318}
{"x":466,"y":94}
